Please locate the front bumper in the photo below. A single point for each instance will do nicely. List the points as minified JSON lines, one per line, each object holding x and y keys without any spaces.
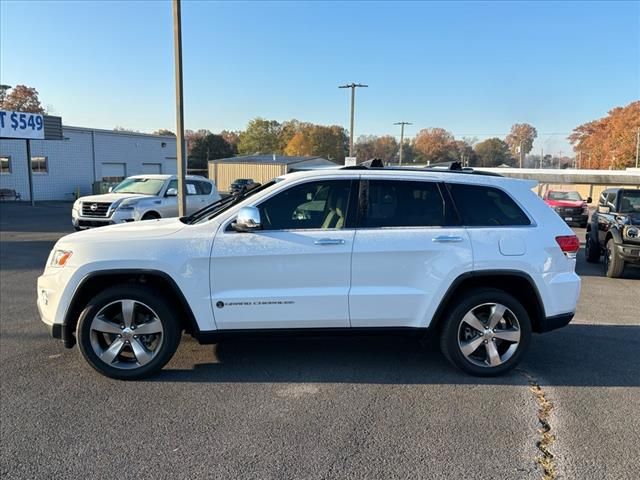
{"x":81,"y":222}
{"x":630,"y":253}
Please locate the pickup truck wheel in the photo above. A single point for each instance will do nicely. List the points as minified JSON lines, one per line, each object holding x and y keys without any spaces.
{"x":591,"y":250}
{"x":128,"y":332}
{"x":613,"y":263}
{"x":486,"y":333}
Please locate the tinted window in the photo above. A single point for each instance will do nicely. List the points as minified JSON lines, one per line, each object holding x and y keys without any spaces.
{"x":403,"y":204}
{"x":630,"y":202}
{"x":205,"y":188}
{"x":322,"y":204}
{"x":481,"y":206}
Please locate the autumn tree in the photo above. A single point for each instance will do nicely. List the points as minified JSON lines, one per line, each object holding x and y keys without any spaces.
{"x":119,"y":128}
{"x":463,"y":152}
{"x":492,"y":153}
{"x":165,"y":132}
{"x":261,"y":136}
{"x":371,"y":146}
{"x":20,"y":99}
{"x":317,"y":140}
{"x":433,"y":145}
{"x":608,"y":142}
{"x":232,"y":138}
{"x":520,"y":140}
{"x":208,"y":147}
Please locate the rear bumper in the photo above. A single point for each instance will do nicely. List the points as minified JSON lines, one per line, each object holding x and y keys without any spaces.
{"x":557,"y":321}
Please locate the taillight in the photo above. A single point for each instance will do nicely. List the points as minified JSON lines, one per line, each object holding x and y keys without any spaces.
{"x":569,"y":244}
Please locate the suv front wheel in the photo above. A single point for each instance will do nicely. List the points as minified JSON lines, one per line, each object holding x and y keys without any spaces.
{"x":613,"y":262}
{"x":486,"y":333}
{"x":128,"y":332}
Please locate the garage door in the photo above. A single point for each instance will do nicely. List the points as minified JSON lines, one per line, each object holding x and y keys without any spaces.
{"x":113,"y":172}
{"x":151,"y":168}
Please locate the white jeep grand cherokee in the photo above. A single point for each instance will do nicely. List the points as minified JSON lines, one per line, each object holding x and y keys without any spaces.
{"x":141,"y":197}
{"x":478,"y":260}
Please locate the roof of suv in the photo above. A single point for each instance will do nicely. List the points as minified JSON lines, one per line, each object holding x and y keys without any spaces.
{"x":437,"y":174}
{"x":166,"y":176}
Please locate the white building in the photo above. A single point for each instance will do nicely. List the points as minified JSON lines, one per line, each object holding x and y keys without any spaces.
{"x":85,"y":156}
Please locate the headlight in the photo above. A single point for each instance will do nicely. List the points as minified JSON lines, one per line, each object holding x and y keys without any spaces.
{"x":585,"y":210}
{"x":60,"y":258}
{"x":632,"y":232}
{"x":77,"y":204}
{"x":127,"y":205}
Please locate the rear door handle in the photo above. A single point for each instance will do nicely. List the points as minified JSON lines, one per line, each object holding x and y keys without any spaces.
{"x":447,"y":239}
{"x":329,"y":241}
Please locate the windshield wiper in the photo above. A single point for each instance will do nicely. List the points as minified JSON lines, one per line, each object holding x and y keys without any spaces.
{"x":215,"y":207}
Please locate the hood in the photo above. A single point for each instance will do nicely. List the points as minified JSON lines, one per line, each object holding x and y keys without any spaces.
{"x":630,"y":218}
{"x":565,"y":203}
{"x":112,"y":197}
{"x":127,"y":231}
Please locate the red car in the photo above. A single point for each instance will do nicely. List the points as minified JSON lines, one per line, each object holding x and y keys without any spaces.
{"x":570,"y":206}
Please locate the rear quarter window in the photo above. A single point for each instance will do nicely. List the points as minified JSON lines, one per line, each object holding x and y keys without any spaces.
{"x":482,"y":206}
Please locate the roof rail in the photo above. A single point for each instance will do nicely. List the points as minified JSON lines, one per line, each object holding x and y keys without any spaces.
{"x":444,"y":167}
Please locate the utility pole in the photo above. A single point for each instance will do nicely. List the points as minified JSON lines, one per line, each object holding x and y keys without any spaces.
{"x":637,"y":146}
{"x":353,"y":87}
{"x":402,"y":124}
{"x":521,"y":153}
{"x":180,"y":144}
{"x":541,"y":157}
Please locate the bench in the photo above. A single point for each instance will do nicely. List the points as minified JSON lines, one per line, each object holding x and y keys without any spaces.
{"x":9,"y":193}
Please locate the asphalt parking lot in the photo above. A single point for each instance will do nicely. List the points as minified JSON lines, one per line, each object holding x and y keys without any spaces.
{"x":365,"y":407}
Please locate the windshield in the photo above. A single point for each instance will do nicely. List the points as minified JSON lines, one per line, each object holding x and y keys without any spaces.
{"x":571,"y":196}
{"x":145,"y":186}
{"x":216,"y":208}
{"x":630,"y":202}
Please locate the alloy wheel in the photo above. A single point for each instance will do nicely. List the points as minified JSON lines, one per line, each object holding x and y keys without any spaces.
{"x":489,"y":335}
{"x":126,"y":334}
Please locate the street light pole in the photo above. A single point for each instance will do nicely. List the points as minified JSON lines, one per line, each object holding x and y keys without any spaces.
{"x":402,"y":124}
{"x":177,"y":43}
{"x":353,"y":87}
{"x":637,"y":146}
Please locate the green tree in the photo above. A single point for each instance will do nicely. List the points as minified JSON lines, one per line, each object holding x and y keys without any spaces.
{"x":261,"y":136}
{"x":520,"y":140}
{"x":209,"y":147}
{"x":20,"y":99}
{"x":491,"y":153}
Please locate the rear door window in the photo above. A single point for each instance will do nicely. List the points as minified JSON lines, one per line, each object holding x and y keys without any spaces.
{"x":482,"y":206}
{"x":399,"y":203}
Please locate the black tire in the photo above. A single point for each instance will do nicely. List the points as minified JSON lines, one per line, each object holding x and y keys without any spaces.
{"x":452,"y":326}
{"x":591,"y":250}
{"x":150,"y":216}
{"x":164,"y":311}
{"x":613,"y":263}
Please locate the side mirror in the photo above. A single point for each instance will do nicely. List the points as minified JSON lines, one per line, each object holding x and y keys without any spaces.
{"x":602,"y":209}
{"x":248,"y":220}
{"x":172,"y":192}
{"x":589,"y":200}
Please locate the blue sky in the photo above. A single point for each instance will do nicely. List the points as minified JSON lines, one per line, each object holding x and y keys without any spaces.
{"x":474,"y":68}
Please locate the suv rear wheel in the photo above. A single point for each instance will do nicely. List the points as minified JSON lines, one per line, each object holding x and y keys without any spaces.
{"x":128,"y":332}
{"x":487,"y":333}
{"x":613,"y":263}
{"x":591,"y":250}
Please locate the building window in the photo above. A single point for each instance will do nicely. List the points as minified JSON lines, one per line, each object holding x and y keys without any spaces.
{"x":5,"y":165}
{"x":39,"y":165}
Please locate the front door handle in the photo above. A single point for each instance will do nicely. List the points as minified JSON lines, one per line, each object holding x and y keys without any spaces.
{"x":329,"y":241}
{"x":447,"y":239}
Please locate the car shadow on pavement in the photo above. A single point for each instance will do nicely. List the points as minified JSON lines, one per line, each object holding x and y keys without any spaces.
{"x":578,"y":355}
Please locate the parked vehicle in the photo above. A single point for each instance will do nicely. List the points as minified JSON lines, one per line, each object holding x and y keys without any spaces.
{"x":614,"y":231}
{"x":141,"y":197}
{"x":570,"y":206}
{"x":478,"y":260}
{"x":242,"y":184}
